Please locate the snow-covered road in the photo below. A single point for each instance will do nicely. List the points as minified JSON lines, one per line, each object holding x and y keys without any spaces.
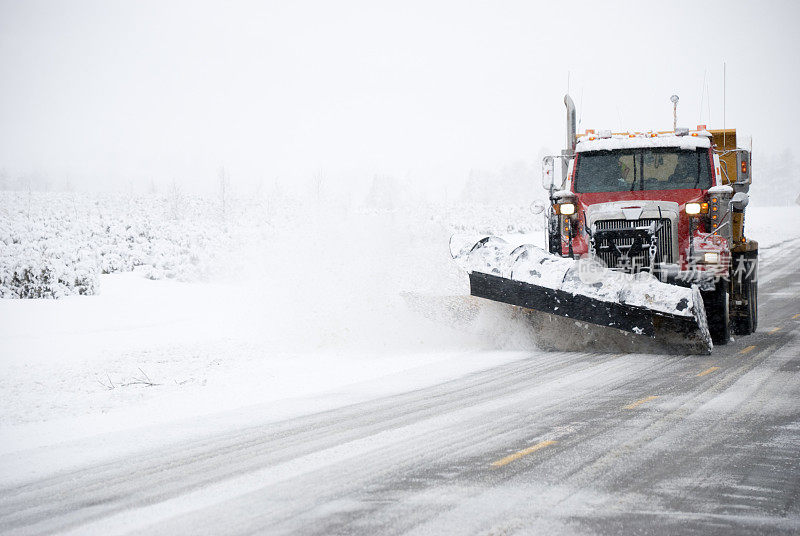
{"x":559,"y":442}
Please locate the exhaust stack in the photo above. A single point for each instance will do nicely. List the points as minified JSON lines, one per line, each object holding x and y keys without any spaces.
{"x":569,"y":151}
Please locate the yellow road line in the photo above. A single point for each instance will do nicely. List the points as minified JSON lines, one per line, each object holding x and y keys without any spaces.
{"x":775,"y":330}
{"x":747,"y":350}
{"x":796,"y":316}
{"x":517,"y":455}
{"x":640,"y":402}
{"x":708,"y":371}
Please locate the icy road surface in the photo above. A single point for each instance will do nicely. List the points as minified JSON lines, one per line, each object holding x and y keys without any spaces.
{"x":550,"y":443}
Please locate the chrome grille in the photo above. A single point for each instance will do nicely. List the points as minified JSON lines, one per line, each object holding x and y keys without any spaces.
{"x":663,"y":237}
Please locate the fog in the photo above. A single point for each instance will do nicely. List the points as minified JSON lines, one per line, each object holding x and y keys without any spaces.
{"x":114,"y":95}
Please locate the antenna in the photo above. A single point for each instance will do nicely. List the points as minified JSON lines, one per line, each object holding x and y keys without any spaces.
{"x":702,"y":96}
{"x":724,"y":97}
{"x":674,"y":100}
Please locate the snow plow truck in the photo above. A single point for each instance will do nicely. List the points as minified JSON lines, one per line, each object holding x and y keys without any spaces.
{"x":645,"y":233}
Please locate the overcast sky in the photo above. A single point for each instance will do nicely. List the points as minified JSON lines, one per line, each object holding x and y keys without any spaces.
{"x":105,"y":93}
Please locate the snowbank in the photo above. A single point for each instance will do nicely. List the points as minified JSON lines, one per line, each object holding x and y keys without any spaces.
{"x":54,"y":244}
{"x":286,"y":302}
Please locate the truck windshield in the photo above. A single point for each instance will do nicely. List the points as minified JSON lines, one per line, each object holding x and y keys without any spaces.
{"x":642,"y":169}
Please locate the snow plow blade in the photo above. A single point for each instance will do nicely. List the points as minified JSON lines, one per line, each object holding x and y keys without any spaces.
{"x":622,"y":316}
{"x":584,"y":290}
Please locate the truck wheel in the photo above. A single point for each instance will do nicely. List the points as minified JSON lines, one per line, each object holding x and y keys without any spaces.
{"x":745,"y":324}
{"x":754,"y":305}
{"x":716,"y":303}
{"x":754,"y":293}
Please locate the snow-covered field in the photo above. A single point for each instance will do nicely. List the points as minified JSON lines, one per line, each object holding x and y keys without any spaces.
{"x":278,"y":307}
{"x":206,"y":312}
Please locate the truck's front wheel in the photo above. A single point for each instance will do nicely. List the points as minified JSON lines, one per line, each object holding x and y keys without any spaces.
{"x":716,"y":303}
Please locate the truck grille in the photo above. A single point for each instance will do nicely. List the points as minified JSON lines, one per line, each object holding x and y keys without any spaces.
{"x":642,"y":260}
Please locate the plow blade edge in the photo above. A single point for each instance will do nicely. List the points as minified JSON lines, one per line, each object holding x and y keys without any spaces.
{"x":633,"y":318}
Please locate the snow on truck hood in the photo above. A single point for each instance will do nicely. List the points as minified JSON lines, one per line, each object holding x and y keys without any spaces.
{"x":641,"y":142}
{"x":632,"y":209}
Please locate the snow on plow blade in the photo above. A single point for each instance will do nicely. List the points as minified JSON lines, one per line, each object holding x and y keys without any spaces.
{"x":583,"y":290}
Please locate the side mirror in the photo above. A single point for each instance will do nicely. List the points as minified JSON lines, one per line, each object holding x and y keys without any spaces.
{"x":743,"y":167}
{"x":537,"y":207}
{"x":548,"y":172}
{"x":739,"y":201}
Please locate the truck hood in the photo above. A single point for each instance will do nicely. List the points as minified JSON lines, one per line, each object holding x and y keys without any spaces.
{"x":633,"y":209}
{"x":679,"y":197}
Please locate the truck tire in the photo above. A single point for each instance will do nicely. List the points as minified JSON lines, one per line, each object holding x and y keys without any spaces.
{"x":754,"y":305}
{"x":717,"y":305}
{"x":745,"y":324}
{"x":754,"y":294}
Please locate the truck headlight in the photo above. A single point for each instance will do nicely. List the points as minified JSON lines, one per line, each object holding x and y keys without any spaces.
{"x":692,"y":208}
{"x":566,"y":209}
{"x":711,"y":258}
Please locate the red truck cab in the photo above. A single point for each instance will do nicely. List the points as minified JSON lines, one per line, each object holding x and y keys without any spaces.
{"x":646,"y":202}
